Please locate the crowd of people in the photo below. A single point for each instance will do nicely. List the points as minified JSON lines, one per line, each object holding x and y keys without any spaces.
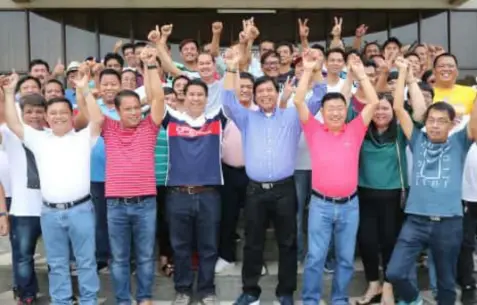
{"x":139,"y":152}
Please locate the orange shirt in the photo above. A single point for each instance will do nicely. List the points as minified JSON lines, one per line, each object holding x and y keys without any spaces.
{"x":334,"y":157}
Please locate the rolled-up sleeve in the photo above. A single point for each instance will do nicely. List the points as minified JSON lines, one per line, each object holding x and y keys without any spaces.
{"x":234,"y":110}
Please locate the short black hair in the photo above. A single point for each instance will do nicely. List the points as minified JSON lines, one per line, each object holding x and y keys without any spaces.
{"x":386,"y":96}
{"x":113,"y":56}
{"x":267,"y":55}
{"x":284,"y":44}
{"x":447,"y":54}
{"x":109,"y":72}
{"x":332,"y":96}
{"x":36,"y":62}
{"x":318,"y":46}
{"x":442,"y":107}
{"x":370,"y":43}
{"x":139,"y":44}
{"x":409,"y":54}
{"x":34,"y":100}
{"x":179,"y":77}
{"x":55,"y":81}
{"x":370,"y":63}
{"x":126,"y":46}
{"x":57,"y":100}
{"x":197,"y":82}
{"x":124,"y":93}
{"x":336,"y":50}
{"x":208,"y":54}
{"x":168,"y":90}
{"x":392,"y":40}
{"x":25,"y":79}
{"x":262,"y":80}
{"x":426,"y":75}
{"x":246,"y":75}
{"x":187,"y":41}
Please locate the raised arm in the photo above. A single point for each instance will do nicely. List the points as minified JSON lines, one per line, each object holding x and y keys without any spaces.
{"x":402,"y":115}
{"x":160,"y":38}
{"x":418,"y":102}
{"x":154,"y":85}
{"x":11,"y":113}
{"x":357,"y":68}
{"x":472,"y":125}
{"x":91,"y":108}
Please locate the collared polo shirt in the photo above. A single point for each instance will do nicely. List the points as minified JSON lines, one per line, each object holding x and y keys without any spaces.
{"x":334,"y":157}
{"x":63,"y":162}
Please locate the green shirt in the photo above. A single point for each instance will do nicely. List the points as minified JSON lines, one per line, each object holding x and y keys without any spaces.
{"x":161,"y":157}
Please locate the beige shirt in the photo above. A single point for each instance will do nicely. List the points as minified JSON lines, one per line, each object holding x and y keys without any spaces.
{"x":232,"y":150}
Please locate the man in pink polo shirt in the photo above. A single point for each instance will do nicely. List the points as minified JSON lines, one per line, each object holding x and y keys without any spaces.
{"x":334,"y":205}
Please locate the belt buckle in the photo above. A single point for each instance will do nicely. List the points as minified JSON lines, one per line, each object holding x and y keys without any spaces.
{"x":267,"y":186}
{"x":435,"y":218}
{"x":61,"y":206}
{"x":128,"y":200}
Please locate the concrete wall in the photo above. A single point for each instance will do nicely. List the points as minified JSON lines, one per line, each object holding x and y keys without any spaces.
{"x":358,"y":4}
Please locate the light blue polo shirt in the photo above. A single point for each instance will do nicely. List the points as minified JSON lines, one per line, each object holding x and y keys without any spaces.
{"x":98,"y":158}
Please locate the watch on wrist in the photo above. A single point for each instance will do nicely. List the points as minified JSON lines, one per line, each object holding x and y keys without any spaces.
{"x":151,"y":67}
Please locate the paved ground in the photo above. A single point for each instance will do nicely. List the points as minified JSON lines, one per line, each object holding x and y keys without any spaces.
{"x":228,"y":285}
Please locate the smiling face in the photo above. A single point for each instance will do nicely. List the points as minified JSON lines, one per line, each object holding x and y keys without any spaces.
{"x":334,"y":114}
{"x":195,"y":100}
{"x":59,"y":117}
{"x":383,"y":114}
{"x":445,"y":71}
{"x":109,"y":86}
{"x":266,"y":96}
{"x":206,"y":66}
{"x":129,"y":111}
{"x":189,"y":52}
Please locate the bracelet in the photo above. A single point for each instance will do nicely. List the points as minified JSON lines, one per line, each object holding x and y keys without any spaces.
{"x":231,"y":70}
{"x":151,"y":67}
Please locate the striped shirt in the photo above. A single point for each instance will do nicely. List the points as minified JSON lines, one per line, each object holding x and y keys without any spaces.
{"x":161,"y":157}
{"x":130,"y":158}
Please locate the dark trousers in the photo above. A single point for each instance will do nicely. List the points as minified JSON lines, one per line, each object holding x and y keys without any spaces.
{"x":379,"y":225}
{"x":278,"y":204}
{"x":443,"y":238}
{"x":233,"y":198}
{"x":194,"y":217}
{"x":465,"y":267}
{"x":102,"y":240}
{"x":25,"y":231}
{"x":162,"y":230}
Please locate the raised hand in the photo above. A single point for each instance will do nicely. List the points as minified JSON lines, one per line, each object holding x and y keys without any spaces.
{"x":401,"y":63}
{"x":243,"y":37}
{"x":148,"y":55}
{"x":59,"y":68}
{"x":82,"y":81}
{"x":166,"y":30}
{"x":361,"y":30}
{"x":338,"y":27}
{"x":312,"y":59}
{"x":231,"y":58}
{"x":303,"y":28}
{"x":10,"y":83}
{"x":357,"y":67}
{"x":154,"y":35}
{"x":217,"y":28}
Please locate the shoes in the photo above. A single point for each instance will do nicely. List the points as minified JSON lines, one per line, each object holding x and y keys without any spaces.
{"x":247,"y":299}
{"x":223,"y":265}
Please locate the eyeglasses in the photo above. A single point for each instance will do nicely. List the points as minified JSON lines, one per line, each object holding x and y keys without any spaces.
{"x":438,"y":122}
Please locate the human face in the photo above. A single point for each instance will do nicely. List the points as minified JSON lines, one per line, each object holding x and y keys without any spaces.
{"x":371,"y":50}
{"x":415,"y":63}
{"x":445,"y":71}
{"x":34,"y":116}
{"x":114,"y":64}
{"x":438,"y":126}
{"x":266,"y":96}
{"x":128,"y":80}
{"x":170,"y":100}
{"x":130,"y":57}
{"x":109,"y":86}
{"x":195,"y":100}
{"x":29,"y":87}
{"x":265,"y":47}
{"x":392,"y":85}
{"x":40,"y":71}
{"x":427,"y":97}
{"x":189,"y":52}
{"x":423,"y":55}
{"x":391,"y":51}
{"x":130,"y":111}
{"x":334,"y":114}
{"x":335,"y":63}
{"x":285,"y":55}
{"x":206,"y":66}
{"x":179,"y":88}
{"x":70,"y":79}
{"x":246,"y":91}
{"x":270,"y":66}
{"x":383,"y":114}
{"x":60,"y":118}
{"x":53,"y":90}
{"x":299,"y":69}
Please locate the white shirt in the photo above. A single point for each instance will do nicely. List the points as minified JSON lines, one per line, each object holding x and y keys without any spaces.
{"x":63,"y":162}
{"x":25,"y":201}
{"x":5,"y":172}
{"x":469,"y":180}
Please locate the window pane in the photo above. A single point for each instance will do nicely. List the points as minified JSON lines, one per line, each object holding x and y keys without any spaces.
{"x":13,"y":48}
{"x":350,"y":23}
{"x":434,"y":28}
{"x":113,"y":26}
{"x":377,"y":26}
{"x":467,"y":77}
{"x":404,"y":26}
{"x":80,"y":35}
{"x":464,"y":38}
{"x":45,"y":36}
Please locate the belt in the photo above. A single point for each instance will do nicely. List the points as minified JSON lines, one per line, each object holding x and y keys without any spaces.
{"x":192,"y":189}
{"x":271,"y":185}
{"x":239,"y":168}
{"x":438,"y":218}
{"x":67,"y":205}
{"x":339,"y":200}
{"x":131,"y":200}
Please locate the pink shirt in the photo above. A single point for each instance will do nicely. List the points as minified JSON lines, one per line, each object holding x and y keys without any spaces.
{"x":130,"y":158}
{"x":334,"y":157}
{"x":232,"y":150}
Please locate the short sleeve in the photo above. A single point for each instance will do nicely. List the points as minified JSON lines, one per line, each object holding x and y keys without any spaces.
{"x":416,"y":136}
{"x":32,"y":138}
{"x":150,"y":124}
{"x":109,"y":125}
{"x":86,"y":134}
{"x":358,"y":127}
{"x":311,"y":126}
{"x":167,"y":119}
{"x":462,"y":137}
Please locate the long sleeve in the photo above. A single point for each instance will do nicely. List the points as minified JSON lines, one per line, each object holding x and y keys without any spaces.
{"x":314,"y":103}
{"x":234,"y":110}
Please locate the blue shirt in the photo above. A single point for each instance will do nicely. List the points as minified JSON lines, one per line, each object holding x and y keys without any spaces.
{"x":98,"y":158}
{"x":436,"y":187}
{"x":270,"y":143}
{"x":70,"y":94}
{"x":194,"y":148}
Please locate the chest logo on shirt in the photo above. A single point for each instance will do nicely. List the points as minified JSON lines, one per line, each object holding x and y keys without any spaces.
{"x":433,"y":166}
{"x":186,"y":131}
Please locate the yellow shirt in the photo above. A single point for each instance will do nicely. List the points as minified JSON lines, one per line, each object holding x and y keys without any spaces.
{"x":461,"y":97}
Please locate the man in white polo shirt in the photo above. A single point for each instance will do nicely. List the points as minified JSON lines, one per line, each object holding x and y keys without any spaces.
{"x":63,"y":159}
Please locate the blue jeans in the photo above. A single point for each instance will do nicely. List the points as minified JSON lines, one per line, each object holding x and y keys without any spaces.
{"x":127,"y":218}
{"x":327,"y":220}
{"x":431,"y":267}
{"x":102,"y":240}
{"x":443,"y":238}
{"x":14,"y":258}
{"x":194,"y":217}
{"x":59,"y":227}
{"x":303,"y":193}
{"x":25,"y":231}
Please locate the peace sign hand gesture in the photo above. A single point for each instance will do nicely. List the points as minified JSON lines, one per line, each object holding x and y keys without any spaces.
{"x":338,"y":27}
{"x":303,"y":28}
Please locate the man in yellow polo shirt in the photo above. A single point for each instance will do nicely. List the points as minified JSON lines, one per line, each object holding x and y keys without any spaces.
{"x":445,"y":88}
